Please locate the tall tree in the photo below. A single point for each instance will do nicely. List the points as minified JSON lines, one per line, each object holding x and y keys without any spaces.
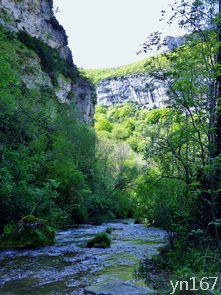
{"x":193,"y":76}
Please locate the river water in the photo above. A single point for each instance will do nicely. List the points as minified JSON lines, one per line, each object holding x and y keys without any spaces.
{"x":68,"y":268}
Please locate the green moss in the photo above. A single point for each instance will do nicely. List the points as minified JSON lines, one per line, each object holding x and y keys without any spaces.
{"x":29,"y":219}
{"x":122,"y":272}
{"x":101,"y":240}
{"x":30,"y":232}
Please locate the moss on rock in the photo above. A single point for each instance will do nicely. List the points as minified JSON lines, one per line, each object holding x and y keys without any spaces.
{"x":101,"y":240}
{"x":30,"y":232}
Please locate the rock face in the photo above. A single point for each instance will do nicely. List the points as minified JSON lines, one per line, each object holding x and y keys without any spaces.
{"x":36,"y":18}
{"x":174,"y":42}
{"x":134,"y":88}
{"x":137,"y":88}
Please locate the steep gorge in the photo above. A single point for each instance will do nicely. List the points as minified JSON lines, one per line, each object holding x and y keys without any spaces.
{"x":141,"y":160}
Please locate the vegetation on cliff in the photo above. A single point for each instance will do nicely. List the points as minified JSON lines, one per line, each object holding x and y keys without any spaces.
{"x":51,"y":61}
{"x":48,"y":164}
{"x":97,"y":75}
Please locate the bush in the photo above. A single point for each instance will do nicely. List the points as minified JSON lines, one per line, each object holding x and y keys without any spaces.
{"x":163,"y":202}
{"x":101,"y":240}
{"x":182,"y":264}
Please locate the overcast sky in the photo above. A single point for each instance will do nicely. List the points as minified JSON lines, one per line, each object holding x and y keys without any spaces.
{"x":107,"y":33}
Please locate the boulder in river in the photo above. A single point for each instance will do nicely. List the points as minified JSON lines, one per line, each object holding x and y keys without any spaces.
{"x":101,"y":240}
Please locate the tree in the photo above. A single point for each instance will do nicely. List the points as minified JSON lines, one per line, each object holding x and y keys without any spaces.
{"x":193,"y":77}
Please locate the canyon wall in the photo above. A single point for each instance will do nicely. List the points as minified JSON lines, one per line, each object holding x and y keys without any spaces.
{"x":35,"y":18}
{"x":138,"y":88}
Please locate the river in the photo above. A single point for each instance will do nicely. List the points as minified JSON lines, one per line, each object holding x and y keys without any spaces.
{"x":68,"y":268}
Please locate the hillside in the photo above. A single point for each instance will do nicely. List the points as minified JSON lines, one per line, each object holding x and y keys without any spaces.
{"x":97,"y":75}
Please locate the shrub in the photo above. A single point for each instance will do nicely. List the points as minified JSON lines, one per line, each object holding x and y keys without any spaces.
{"x":30,"y":232}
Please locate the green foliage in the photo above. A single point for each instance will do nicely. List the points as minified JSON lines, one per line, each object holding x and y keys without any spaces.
{"x":97,"y":75}
{"x":103,"y":124}
{"x":154,"y":165}
{"x":186,"y":147}
{"x":159,"y":201}
{"x":5,"y":15}
{"x":101,"y":240}
{"x":50,"y":164}
{"x":30,"y":232}
{"x":47,"y":154}
{"x":181,"y":265}
{"x":157,"y":135}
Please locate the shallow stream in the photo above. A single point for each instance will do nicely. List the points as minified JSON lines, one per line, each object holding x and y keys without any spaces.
{"x":68,"y":268}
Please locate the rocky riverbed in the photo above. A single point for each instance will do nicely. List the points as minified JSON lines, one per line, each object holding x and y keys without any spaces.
{"x":68,"y":268}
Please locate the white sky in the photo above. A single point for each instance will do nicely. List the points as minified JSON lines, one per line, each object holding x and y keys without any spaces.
{"x":107,"y":33}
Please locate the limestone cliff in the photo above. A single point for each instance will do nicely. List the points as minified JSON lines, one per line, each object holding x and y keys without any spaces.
{"x":131,"y":83}
{"x":48,"y":40}
{"x":137,"y":88}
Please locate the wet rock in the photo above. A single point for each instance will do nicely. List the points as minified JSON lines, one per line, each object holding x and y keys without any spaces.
{"x":109,"y":230}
